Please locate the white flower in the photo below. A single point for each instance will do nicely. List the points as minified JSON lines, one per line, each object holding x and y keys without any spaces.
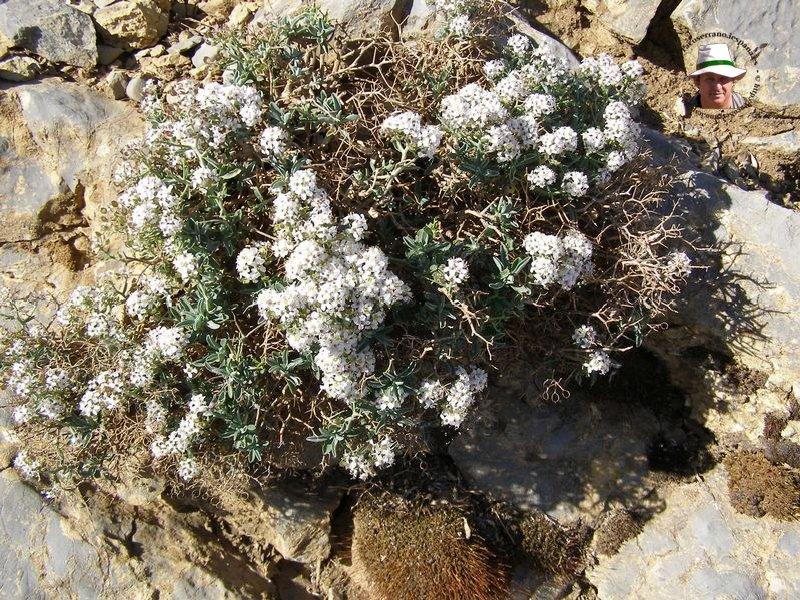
{"x":599,"y":362}
{"x":494,"y":68}
{"x":430,"y":393}
{"x":584,"y":336}
{"x":29,"y":469}
{"x":593,"y":139}
{"x":186,"y":264}
{"x":455,"y":272}
{"x":518,"y":45}
{"x":525,"y":129}
{"x":563,"y":139}
{"x":408,"y":126}
{"x":272,"y":142}
{"x":140,"y":303}
{"x":202,"y":178}
{"x":358,"y":466}
{"x":511,"y":87}
{"x":187,"y":468}
{"x":541,"y":177}
{"x":251,"y":263}
{"x":382,"y":453}
{"x":539,"y":105}
{"x":459,"y":26}
{"x":166,"y":343}
{"x":472,"y":107}
{"x":502,"y":141}
{"x":575,"y":184}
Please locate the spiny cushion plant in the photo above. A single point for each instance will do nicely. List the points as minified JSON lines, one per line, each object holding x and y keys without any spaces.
{"x":337,"y":240}
{"x":407,"y":549}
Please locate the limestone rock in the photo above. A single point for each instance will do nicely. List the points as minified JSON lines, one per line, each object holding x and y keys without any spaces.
{"x":543,"y":40}
{"x":749,"y":299}
{"x":297,"y":523}
{"x":115,"y":83}
{"x":699,"y":547}
{"x":132,"y":24}
{"x":566,"y":458}
{"x":628,"y":18}
{"x":768,"y":28}
{"x":206,"y":53}
{"x":135,"y":88}
{"x":18,"y":68}
{"x":420,"y":18}
{"x":60,"y":142}
{"x":787,"y":142}
{"x":361,"y":16}
{"x":51,"y":29}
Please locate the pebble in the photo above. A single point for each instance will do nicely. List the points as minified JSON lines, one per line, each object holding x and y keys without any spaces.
{"x":135,"y":88}
{"x":204,"y":54}
{"x":116,"y":84}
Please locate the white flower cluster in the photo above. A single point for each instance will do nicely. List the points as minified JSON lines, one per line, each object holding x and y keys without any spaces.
{"x":362,"y":463}
{"x":337,"y":288}
{"x":408,"y":126}
{"x":453,"y":400}
{"x":180,"y":440}
{"x":152,"y":291}
{"x":151,"y":205}
{"x":251,"y":262}
{"x":599,"y":362}
{"x":272,"y":142}
{"x":621,"y":128}
{"x":518,"y":45}
{"x":557,"y":142}
{"x":456,"y":14}
{"x":472,"y":108}
{"x":585,"y":336}
{"x":104,"y":391}
{"x":92,"y":307}
{"x":454,"y":272}
{"x":29,"y":469}
{"x":604,"y":71}
{"x":563,"y":260}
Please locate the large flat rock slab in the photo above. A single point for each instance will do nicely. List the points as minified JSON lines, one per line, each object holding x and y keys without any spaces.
{"x":700,"y":547}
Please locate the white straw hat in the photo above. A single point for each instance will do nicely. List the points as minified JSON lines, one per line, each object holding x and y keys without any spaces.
{"x":716,"y":58}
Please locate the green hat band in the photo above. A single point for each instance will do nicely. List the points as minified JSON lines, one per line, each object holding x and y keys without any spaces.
{"x":714,"y":63}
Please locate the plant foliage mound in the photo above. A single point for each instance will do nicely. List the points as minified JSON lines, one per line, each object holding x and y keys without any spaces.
{"x":337,"y":240}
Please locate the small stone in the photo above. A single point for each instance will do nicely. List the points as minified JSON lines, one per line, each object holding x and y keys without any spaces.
{"x":240,"y":15}
{"x":135,"y":88}
{"x":166,"y":67}
{"x":108,"y":54}
{"x":115,"y":84}
{"x":18,"y":68}
{"x":185,"y":46}
{"x":680,"y":107}
{"x":204,"y":55}
{"x":103,"y":3}
{"x":157,"y":50}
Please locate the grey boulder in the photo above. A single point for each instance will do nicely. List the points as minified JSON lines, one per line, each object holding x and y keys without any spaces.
{"x":51,"y":29}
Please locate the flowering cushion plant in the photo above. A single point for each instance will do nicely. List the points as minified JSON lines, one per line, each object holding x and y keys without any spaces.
{"x":322,"y":246}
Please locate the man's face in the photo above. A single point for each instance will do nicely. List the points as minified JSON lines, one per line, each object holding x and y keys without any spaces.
{"x":715,"y":90}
